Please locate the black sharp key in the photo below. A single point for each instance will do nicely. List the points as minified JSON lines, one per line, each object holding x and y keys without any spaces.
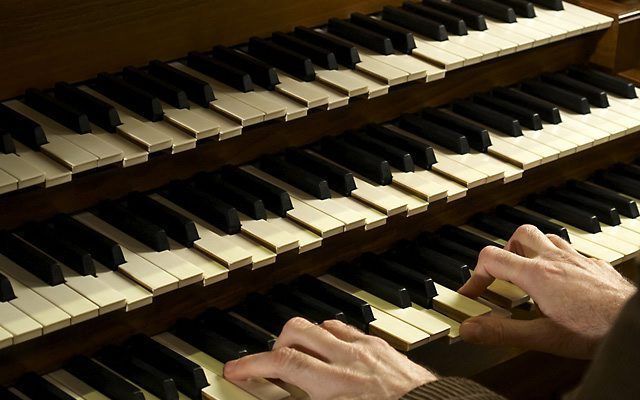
{"x":548,"y":111}
{"x":188,"y":376}
{"x":358,"y":312}
{"x":239,"y":198}
{"x":619,"y":183}
{"x":197,"y":90}
{"x":60,"y":247}
{"x":137,"y":100}
{"x":176,"y":225}
{"x":416,"y":23}
{"x":396,"y":157}
{"x":5,"y":394}
{"x":430,"y":263}
{"x":422,"y":154}
{"x":401,"y":38}
{"x":628,"y":170}
{"x":490,"y":8}
{"x":103,"y":380}
{"x":267,"y":313}
{"x":229,"y":325}
{"x":494,"y":225}
{"x":471,"y":240}
{"x":605,"y":213}
{"x":421,"y":288}
{"x":375,"y":284}
{"x":36,"y":387}
{"x":225,"y":73}
{"x":210,"y":208}
{"x":525,"y":116}
{"x":296,"y":176}
{"x":359,"y":35}
{"x":610,"y":83}
{"x":572,"y":101}
{"x":99,"y":112}
{"x":449,"y":247}
{"x":566,"y":213}
{"x":550,"y":4}
{"x":436,"y":133}
{"x":494,"y":119}
{"x":596,"y":96}
{"x":138,"y":228}
{"x":261,"y":73}
{"x":369,"y":165}
{"x":22,"y":128}
{"x":274,"y":198}
{"x":472,"y":18}
{"x":210,"y":342}
{"x":339,"y":179}
{"x":289,"y":61}
{"x":624,"y":205}
{"x":139,"y":372}
{"x":31,"y":259}
{"x":452,"y":23}
{"x":57,"y":110}
{"x":309,"y":306}
{"x":522,"y":8}
{"x":476,"y":135}
{"x":318,"y":54}
{"x":521,"y":217}
{"x":164,"y":91}
{"x":6,"y":290}
{"x":102,"y":249}
{"x":6,"y":142}
{"x":345,"y":52}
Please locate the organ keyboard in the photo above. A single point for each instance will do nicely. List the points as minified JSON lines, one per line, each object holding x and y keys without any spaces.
{"x":350,"y":165}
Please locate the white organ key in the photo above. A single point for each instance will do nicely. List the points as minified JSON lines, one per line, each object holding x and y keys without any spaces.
{"x":226,"y":127}
{"x":602,"y":21}
{"x":470,"y":56}
{"x":212,"y":271}
{"x":457,"y":306}
{"x":581,"y":141}
{"x":560,"y":19}
{"x":341,"y":80}
{"x":307,"y":240}
{"x":537,"y":37}
{"x":631,"y":121}
{"x":191,"y":123}
{"x":263,"y":232}
{"x":25,"y":173}
{"x":6,"y":338}
{"x":18,"y":324}
{"x":7,"y":183}
{"x":563,"y":146}
{"x":418,"y":185}
{"x":293,"y":109}
{"x":437,"y":56}
{"x":132,"y":154}
{"x":309,"y":95}
{"x":455,"y":190}
{"x":489,"y":49}
{"x":613,"y":129}
{"x":372,"y":217}
{"x":106,"y":298}
{"x":55,"y":173}
{"x":374,"y":196}
{"x":136,"y":296}
{"x":575,"y":125}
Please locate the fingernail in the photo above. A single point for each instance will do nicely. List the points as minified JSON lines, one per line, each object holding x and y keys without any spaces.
{"x":471,"y":331}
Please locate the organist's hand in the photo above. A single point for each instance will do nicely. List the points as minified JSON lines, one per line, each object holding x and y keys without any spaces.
{"x":579,"y":297}
{"x":333,"y":361}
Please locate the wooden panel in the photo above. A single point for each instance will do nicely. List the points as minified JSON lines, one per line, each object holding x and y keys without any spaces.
{"x":92,"y":188}
{"x":188,"y":302}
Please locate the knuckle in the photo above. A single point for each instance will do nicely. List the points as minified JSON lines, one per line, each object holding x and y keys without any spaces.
{"x":285,"y":357}
{"x":296,"y":323}
{"x":332,"y":323}
{"x":489,"y":253}
{"x":526,"y":231}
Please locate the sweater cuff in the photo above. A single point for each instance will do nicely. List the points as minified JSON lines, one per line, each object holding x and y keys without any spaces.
{"x":450,"y":389}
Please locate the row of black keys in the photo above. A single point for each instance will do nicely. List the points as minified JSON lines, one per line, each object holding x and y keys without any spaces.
{"x":295,"y":53}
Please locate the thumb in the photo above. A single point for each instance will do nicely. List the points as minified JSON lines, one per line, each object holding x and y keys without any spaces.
{"x":540,"y":334}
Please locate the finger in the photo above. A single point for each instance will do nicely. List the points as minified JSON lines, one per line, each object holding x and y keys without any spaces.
{"x":495,"y":263}
{"x":302,"y":334}
{"x":342,"y":331}
{"x":561,"y":243}
{"x":539,"y":334}
{"x":529,"y":241}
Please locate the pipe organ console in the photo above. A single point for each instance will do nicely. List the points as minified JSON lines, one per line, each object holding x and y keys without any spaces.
{"x":179,"y":180}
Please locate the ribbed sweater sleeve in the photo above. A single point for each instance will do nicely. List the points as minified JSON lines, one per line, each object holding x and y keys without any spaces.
{"x":451,"y":389}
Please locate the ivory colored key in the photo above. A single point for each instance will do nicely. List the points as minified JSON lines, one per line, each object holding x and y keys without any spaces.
{"x":6,"y":338}
{"x":489,"y":49}
{"x":454,"y":326}
{"x":75,"y":385}
{"x":563,"y":146}
{"x":413,"y":316}
{"x":106,"y":298}
{"x":505,"y":294}
{"x":132,"y":154}
{"x":153,"y":278}
{"x":469,"y":55}
{"x":180,"y":270}
{"x":537,"y":37}
{"x":307,"y":240}
{"x":104,"y":152}
{"x":469,"y":177}
{"x":493,"y":168}
{"x":382,"y":71}
{"x":602,"y":21}
{"x":62,"y":296}
{"x":372,"y":217}
{"x":630,"y":120}
{"x":325,"y":223}
{"x":546,"y":153}
{"x":438,"y":57}
{"x":418,"y":185}
{"x":62,"y":387}
{"x":135,"y":130}
{"x":346,"y":83}
{"x":388,"y":199}
{"x":293,"y":109}
{"x":212,"y":271}
{"x":227,"y":128}
{"x":581,"y":141}
{"x":25,"y":173}
{"x":266,"y":234}
{"x":555,"y":33}
{"x":310,"y":96}
{"x":7,"y":183}
{"x":560,"y":19}
{"x":136,"y":296}
{"x":240,"y":247}
{"x":55,"y":173}
{"x":397,"y":333}
{"x":457,"y":306}
{"x":455,"y":190}
{"x":598,"y":135}
{"x":219,"y":388}
{"x":191,"y":123}
{"x":18,"y":324}
{"x":612,"y":128}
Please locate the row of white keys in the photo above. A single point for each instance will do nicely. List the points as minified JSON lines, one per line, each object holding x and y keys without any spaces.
{"x":23,"y":173}
{"x":93,"y":289}
{"x":8,"y":183}
{"x":212,"y":271}
{"x":192,"y":123}
{"x":351,"y":83}
{"x":135,"y":293}
{"x":77,"y":307}
{"x":574,"y":25}
{"x":325,"y":218}
{"x":579,"y":140}
{"x":418,"y":185}
{"x":621,"y":115}
{"x":132,"y":154}
{"x":234,"y":251}
{"x":606,"y":125}
{"x":601,"y":21}
{"x":514,"y":30}
{"x":454,"y":190}
{"x":265,"y":233}
{"x":437,"y":56}
{"x":55,"y":173}
{"x":311,"y":94}
{"x":16,"y":326}
{"x":105,"y":153}
{"x":545,"y":25}
{"x":563,"y":146}
{"x":417,"y":68}
{"x":424,"y":45}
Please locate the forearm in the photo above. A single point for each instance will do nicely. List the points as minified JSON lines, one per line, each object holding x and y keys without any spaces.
{"x":452,"y":389}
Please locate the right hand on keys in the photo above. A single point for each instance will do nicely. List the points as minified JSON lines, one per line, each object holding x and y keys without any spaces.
{"x":579,"y":297}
